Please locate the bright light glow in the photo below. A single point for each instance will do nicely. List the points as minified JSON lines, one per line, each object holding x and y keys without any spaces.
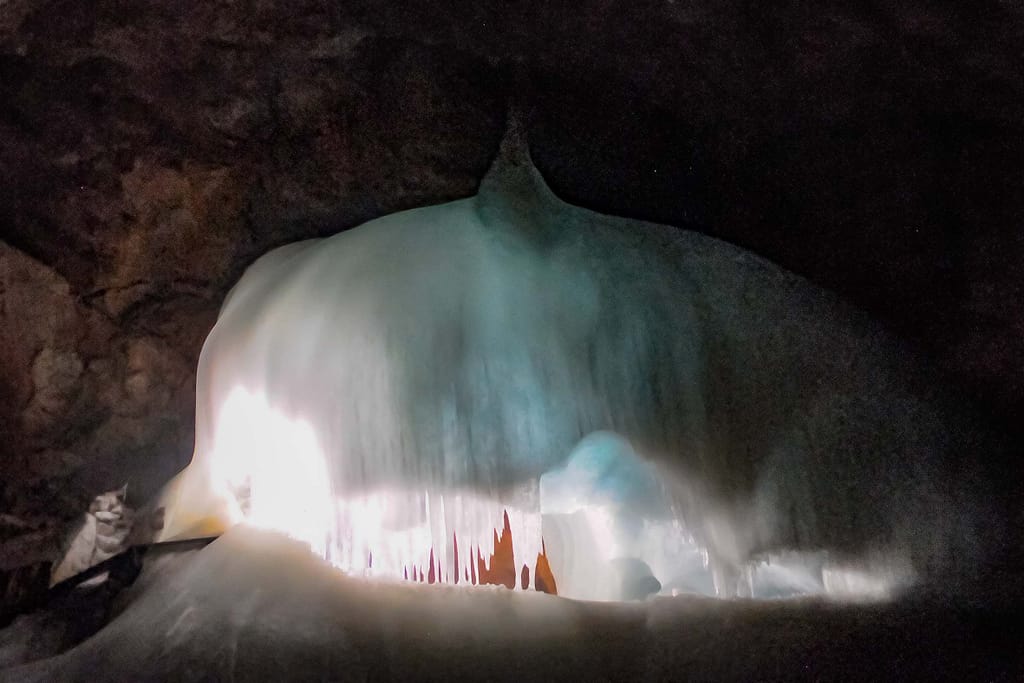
{"x":274,"y":468}
{"x":268,"y":470}
{"x":603,"y":508}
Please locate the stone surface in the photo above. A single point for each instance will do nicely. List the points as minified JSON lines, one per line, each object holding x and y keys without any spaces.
{"x":149,"y":152}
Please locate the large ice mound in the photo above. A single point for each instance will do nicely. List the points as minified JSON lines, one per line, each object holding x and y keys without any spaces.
{"x":388,"y":393}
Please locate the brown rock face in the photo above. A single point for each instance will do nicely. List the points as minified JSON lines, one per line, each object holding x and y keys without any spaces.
{"x":150,"y":151}
{"x":84,"y":403}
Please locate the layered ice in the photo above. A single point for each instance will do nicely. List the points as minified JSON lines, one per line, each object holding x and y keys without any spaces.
{"x":636,"y":398}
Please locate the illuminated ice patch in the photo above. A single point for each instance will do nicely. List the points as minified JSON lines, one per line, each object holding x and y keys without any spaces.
{"x":606,"y":518}
{"x":273,"y":468}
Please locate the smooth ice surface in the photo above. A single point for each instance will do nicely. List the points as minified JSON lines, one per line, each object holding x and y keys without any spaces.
{"x":254,"y":606}
{"x":383,"y":392}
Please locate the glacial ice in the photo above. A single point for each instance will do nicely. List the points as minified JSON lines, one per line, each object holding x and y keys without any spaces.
{"x":625,"y":392}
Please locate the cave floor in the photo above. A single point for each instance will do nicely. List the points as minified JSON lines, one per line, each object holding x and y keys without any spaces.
{"x":257,"y":606}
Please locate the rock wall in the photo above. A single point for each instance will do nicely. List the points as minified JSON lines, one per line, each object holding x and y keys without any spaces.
{"x":149,"y":152}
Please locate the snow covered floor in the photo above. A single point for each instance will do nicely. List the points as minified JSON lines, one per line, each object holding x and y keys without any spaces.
{"x":257,"y":606}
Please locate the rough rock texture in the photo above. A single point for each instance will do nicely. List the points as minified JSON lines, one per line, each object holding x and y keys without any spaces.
{"x":149,"y":152}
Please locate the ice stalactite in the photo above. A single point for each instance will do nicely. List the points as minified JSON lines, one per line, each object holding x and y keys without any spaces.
{"x":394,"y":390}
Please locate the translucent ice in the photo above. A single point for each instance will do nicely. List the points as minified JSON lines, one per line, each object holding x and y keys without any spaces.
{"x":392,"y":391}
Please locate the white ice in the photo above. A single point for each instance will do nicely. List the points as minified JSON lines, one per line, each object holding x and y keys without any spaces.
{"x":396,"y":386}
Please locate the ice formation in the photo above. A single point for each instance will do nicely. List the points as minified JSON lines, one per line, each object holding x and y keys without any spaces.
{"x":635,"y":397}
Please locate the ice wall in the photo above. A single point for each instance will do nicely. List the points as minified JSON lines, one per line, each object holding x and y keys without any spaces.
{"x":413,"y":377}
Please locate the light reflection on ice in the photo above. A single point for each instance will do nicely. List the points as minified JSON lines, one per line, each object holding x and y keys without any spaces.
{"x":607,"y":520}
{"x":274,"y":467}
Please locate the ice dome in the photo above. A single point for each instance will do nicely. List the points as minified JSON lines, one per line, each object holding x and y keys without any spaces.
{"x":388,"y":393}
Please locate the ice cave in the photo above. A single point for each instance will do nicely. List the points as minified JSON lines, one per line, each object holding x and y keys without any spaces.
{"x":653,"y":342}
{"x":511,"y":391}
{"x":594,"y":385}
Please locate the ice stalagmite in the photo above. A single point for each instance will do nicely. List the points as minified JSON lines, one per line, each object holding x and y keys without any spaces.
{"x":393,"y":390}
